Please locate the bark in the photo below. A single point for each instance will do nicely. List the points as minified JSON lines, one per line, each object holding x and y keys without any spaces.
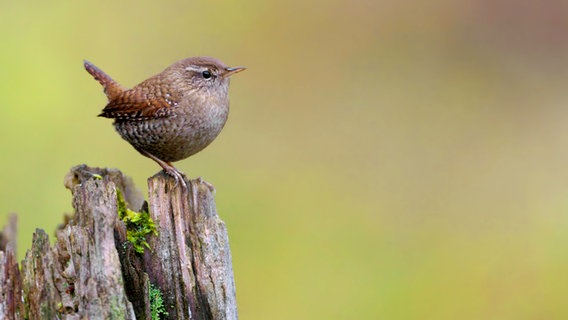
{"x":93,"y":272}
{"x":10,"y":280}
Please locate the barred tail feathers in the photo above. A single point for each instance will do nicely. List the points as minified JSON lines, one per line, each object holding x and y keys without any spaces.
{"x":112,"y":88}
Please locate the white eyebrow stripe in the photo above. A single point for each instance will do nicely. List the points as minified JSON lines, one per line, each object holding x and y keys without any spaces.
{"x":195,"y":68}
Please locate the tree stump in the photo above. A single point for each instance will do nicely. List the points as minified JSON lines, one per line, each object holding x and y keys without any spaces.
{"x":95,"y":271}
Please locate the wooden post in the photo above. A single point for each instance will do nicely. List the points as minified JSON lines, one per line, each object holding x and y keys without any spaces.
{"x":93,"y":272}
{"x":10,"y":280}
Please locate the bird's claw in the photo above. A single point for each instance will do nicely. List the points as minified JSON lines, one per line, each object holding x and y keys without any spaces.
{"x":178,"y":176}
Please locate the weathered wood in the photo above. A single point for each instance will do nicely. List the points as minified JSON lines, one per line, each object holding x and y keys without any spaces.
{"x":191,"y":259}
{"x":93,"y":272}
{"x":10,"y":281}
{"x":79,"y":277}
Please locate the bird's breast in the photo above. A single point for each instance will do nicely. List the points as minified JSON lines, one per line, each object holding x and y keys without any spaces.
{"x":187,"y":130}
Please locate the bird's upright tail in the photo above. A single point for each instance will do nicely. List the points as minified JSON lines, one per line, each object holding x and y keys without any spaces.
{"x":111,"y":87}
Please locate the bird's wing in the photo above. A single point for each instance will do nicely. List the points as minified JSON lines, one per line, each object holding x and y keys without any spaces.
{"x":136,"y":105}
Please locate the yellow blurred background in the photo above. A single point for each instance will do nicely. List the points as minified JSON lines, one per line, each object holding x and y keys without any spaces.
{"x":382,"y":159}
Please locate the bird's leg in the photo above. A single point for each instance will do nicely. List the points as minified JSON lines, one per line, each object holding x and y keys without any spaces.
{"x":168,"y":168}
{"x":172,"y":171}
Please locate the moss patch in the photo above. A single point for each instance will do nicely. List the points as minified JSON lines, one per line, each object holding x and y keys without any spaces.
{"x":138,"y":224}
{"x":156,"y":302}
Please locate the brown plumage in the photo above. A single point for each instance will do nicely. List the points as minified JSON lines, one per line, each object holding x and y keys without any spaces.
{"x":174,"y":114}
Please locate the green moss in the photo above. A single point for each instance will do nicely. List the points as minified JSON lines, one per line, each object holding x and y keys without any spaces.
{"x":156,"y":302}
{"x":138,"y":224}
{"x":117,"y":308}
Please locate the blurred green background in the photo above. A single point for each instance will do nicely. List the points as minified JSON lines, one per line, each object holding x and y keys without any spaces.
{"x":382,"y":159}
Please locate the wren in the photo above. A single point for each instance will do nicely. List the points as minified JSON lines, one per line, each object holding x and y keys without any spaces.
{"x":174,"y":114}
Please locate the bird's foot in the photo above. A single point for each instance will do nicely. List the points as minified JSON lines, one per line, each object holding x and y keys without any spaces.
{"x":178,"y":176}
{"x":168,"y":168}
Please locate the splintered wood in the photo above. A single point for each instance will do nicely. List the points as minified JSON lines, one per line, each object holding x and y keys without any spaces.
{"x":93,"y":272}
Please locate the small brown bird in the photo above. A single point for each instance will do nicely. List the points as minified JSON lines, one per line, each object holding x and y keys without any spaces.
{"x":174,"y":114}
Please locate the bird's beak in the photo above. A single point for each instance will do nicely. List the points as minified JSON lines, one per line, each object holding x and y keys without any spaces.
{"x":232,"y":70}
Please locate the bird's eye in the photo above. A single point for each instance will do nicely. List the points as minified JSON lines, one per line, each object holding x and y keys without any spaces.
{"x":206,"y":74}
